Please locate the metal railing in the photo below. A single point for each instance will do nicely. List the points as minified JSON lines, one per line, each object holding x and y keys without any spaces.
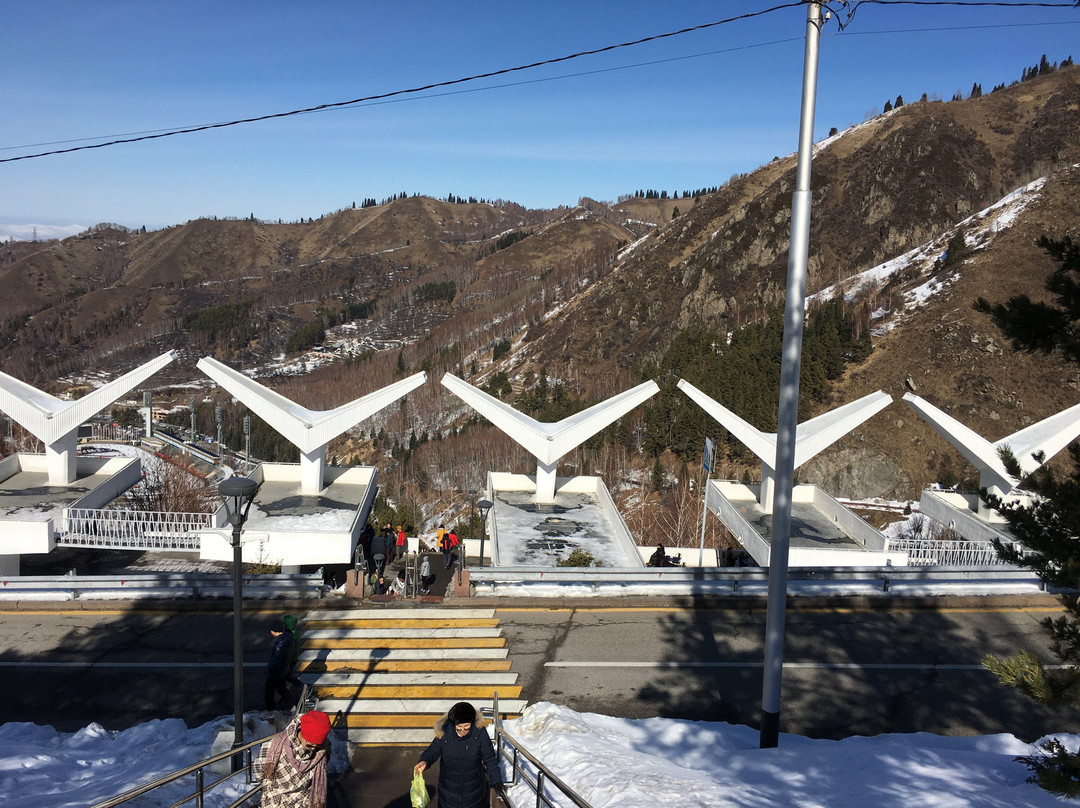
{"x":944,"y":552}
{"x":132,"y":530}
{"x":718,"y":580}
{"x":202,"y":788}
{"x":161,"y":584}
{"x":304,"y":704}
{"x":539,"y":778}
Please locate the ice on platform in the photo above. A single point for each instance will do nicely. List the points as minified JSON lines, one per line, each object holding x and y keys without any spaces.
{"x":581,"y":517}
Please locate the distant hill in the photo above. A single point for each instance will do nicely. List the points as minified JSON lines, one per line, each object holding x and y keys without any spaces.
{"x":593,"y":296}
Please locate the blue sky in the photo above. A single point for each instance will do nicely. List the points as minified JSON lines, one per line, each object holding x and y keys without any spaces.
{"x":677,"y":114}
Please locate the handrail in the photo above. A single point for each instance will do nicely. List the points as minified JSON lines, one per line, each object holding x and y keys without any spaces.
{"x":197,"y":770}
{"x":543,"y":773}
{"x":303,"y":704}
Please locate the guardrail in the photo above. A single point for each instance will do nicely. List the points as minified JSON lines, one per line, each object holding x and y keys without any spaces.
{"x":158,"y":585}
{"x":735,"y":579}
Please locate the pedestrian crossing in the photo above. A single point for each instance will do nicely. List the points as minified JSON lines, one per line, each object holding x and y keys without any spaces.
{"x":393,"y":672}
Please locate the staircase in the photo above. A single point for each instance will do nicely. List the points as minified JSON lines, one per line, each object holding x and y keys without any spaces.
{"x":393,"y":672}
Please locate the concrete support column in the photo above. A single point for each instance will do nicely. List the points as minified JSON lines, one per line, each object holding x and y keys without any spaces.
{"x":545,"y":481}
{"x":768,"y":488}
{"x":60,"y":458}
{"x":312,"y":465}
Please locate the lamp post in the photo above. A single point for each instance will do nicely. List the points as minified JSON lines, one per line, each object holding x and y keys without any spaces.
{"x":484,"y":505}
{"x":238,"y":493}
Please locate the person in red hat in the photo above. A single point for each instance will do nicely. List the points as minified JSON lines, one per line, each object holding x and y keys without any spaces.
{"x":292,"y":765}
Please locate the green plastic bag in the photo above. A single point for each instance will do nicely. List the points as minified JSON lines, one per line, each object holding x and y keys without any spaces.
{"x":418,"y":792}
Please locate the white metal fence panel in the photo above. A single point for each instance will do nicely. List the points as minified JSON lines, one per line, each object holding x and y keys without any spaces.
{"x":132,"y":530}
{"x":935,"y":552}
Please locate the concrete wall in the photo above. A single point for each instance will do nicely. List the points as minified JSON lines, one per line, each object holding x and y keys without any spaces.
{"x":295,"y":548}
{"x":124,"y":472}
{"x":955,"y":512}
{"x":689,"y":555}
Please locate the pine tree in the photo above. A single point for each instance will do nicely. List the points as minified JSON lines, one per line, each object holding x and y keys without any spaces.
{"x":899,"y":101}
{"x":888,"y":107}
{"x":1048,"y":529}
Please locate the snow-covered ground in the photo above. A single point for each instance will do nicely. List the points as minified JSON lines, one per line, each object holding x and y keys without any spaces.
{"x":640,"y":763}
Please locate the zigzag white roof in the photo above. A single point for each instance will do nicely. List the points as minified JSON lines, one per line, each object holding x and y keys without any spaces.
{"x":306,"y":429}
{"x":49,"y":418}
{"x":549,"y":441}
{"x":1045,"y":438}
{"x":811,"y":437}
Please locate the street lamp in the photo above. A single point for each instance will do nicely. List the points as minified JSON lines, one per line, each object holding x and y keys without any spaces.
{"x":238,"y":493}
{"x":484,"y":505}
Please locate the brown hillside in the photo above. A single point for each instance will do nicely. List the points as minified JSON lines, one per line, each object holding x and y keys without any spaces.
{"x":880,"y":189}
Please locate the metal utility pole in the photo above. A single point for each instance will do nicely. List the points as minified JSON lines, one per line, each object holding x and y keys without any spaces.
{"x":787,"y":420}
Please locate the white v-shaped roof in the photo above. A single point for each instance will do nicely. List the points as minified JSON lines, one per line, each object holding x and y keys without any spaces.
{"x":49,"y":418}
{"x":305,"y":428}
{"x":1045,"y":439}
{"x":811,"y":437}
{"x":547,"y":442}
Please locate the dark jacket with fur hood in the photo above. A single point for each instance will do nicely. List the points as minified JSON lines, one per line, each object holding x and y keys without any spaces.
{"x":462,"y":783}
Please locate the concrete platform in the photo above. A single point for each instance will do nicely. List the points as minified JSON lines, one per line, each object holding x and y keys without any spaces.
{"x":290,"y":528}
{"x":823,"y":532}
{"x":582,"y":516}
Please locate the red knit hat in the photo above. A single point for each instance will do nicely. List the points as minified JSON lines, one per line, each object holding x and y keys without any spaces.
{"x":314,"y":726}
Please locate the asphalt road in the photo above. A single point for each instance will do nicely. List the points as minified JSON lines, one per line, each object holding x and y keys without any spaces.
{"x":847,"y":671}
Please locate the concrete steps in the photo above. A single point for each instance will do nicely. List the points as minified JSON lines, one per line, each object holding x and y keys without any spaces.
{"x":394,"y":672}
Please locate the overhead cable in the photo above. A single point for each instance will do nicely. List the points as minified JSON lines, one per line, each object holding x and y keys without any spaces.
{"x":411,"y":90}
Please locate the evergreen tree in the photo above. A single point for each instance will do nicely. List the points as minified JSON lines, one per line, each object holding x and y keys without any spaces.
{"x":899,"y":101}
{"x":1050,"y":528}
{"x":888,"y":107}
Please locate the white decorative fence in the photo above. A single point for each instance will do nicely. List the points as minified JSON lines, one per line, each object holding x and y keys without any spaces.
{"x":947,"y":553}
{"x":132,"y":530}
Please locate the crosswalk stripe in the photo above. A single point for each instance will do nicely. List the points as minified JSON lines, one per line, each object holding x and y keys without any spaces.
{"x":419,"y":642}
{"x":416,"y":632}
{"x":392,"y":625}
{"x":405,"y":614}
{"x":337,"y":654}
{"x":419,"y":678}
{"x":436,"y":706}
{"x":394,"y":673}
{"x":459,"y":692}
{"x":367,"y":666}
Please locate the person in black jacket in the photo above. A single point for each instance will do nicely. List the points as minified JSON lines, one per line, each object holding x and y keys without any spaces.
{"x":278,"y":667}
{"x":462,"y":743}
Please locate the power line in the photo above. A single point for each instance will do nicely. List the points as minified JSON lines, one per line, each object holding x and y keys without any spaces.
{"x":851,"y":6}
{"x":396,"y":96}
{"x":412,"y":90}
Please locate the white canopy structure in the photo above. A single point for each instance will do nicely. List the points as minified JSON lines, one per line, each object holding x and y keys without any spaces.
{"x":811,"y":438}
{"x":55,"y":422}
{"x":308,"y":430}
{"x":549,"y":442}
{"x":1031,"y":446}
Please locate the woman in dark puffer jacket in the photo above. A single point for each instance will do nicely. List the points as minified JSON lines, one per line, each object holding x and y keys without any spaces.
{"x":462,"y":743}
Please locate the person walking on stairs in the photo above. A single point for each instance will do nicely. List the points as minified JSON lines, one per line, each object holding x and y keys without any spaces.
{"x":292,"y":766}
{"x":467,"y":759}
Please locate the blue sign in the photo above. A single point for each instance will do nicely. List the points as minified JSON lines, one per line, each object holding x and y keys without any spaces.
{"x":710,"y":455}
